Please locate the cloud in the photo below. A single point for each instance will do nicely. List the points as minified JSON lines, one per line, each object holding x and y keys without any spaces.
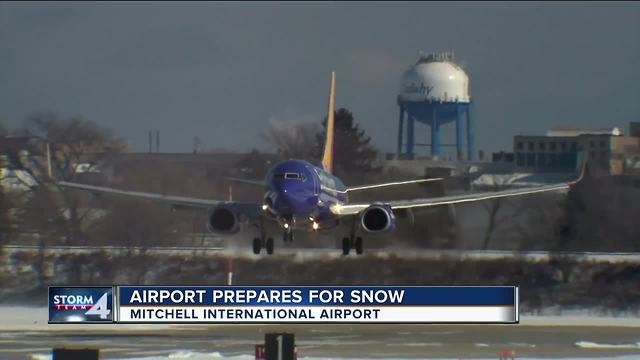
{"x":375,"y":66}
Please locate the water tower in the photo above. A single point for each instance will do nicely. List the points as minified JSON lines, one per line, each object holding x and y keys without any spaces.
{"x":435,"y":91}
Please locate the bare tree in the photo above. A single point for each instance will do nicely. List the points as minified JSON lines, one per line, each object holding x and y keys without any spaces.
{"x":5,"y":208}
{"x":72,"y":142}
{"x":492,"y":207}
{"x":254,"y":164}
{"x":159,"y":177}
{"x":529,"y":220}
{"x":142,"y":224}
{"x":599,"y":215}
{"x":39,"y":218}
{"x":536,"y":228}
{"x":295,"y":140}
{"x":512,"y":215}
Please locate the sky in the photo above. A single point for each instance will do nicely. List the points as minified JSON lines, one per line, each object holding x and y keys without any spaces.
{"x":224,"y":71}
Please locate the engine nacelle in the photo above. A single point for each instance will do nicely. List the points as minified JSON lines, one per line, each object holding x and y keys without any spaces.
{"x":378,"y":218}
{"x":223,"y":220}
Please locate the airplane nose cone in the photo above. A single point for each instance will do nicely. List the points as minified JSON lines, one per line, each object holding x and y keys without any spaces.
{"x":295,"y":201}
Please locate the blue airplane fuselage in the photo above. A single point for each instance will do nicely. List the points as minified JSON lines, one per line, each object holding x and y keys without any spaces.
{"x":298,"y":191}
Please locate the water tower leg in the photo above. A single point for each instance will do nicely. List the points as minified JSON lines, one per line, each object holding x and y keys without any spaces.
{"x":400,"y":128}
{"x":435,"y":134}
{"x":470,"y":135}
{"x":409,"y":144}
{"x":458,"y":133}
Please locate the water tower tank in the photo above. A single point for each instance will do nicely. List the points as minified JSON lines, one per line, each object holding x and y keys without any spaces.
{"x":435,"y":91}
{"x":430,"y":80}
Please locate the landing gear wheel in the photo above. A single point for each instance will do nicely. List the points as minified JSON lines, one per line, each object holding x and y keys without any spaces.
{"x":358,"y":246}
{"x":346,"y":246}
{"x":269,"y":246}
{"x":257,"y":245}
{"x":287,"y":236}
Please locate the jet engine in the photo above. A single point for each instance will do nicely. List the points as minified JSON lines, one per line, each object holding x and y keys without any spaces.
{"x":223,"y":220}
{"x":377,"y":218}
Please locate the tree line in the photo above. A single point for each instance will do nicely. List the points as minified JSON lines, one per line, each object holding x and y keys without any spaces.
{"x":592,"y":217}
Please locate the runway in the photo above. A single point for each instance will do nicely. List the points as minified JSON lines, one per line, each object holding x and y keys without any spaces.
{"x":25,"y":334}
{"x":302,"y":254}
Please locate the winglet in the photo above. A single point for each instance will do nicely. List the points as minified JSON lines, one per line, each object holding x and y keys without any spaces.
{"x":583,"y":169}
{"x":327,"y":156}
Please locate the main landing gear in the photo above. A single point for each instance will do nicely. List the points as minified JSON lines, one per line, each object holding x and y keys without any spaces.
{"x":352,"y":242}
{"x":259,"y":244}
{"x":349,"y":243}
{"x":263,"y":242}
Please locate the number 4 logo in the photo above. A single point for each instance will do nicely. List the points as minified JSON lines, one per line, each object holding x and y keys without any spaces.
{"x":100,"y":308}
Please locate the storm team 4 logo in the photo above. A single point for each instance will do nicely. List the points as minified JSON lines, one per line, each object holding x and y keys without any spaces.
{"x":80,"y":304}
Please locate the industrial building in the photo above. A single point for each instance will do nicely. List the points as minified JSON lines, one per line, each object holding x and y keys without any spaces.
{"x":562,"y":150}
{"x":434,"y":92}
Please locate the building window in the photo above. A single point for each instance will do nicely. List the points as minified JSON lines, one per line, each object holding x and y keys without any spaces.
{"x":553,"y":161}
{"x":520,"y":159}
{"x":541,"y":145}
{"x":519,"y":145}
{"x":574,"y":146}
{"x":592,"y":143}
{"x":542,"y":160}
{"x":531,"y":160}
{"x":602,"y":144}
{"x":552,"y":146}
{"x":563,"y":146}
{"x":564,"y":161}
{"x":531,"y":145}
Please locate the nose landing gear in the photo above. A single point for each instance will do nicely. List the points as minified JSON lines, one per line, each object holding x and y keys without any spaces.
{"x":287,"y":236}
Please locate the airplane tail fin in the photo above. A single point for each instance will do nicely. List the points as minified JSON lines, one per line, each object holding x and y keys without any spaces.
{"x":327,"y":155}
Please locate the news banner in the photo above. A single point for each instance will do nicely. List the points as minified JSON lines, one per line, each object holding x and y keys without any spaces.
{"x":289,"y":304}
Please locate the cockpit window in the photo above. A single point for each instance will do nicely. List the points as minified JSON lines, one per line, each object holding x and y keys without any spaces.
{"x":289,"y":176}
{"x":296,"y":176}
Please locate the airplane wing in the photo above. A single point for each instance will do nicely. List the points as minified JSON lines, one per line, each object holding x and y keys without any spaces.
{"x":374,"y":186}
{"x":247,"y":181}
{"x":352,"y":209}
{"x":175,"y":201}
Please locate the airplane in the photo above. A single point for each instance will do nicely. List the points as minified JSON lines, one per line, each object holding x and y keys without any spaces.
{"x":302,"y":196}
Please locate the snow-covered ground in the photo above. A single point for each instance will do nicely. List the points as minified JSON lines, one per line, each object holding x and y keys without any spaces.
{"x":24,"y":333}
{"x":25,"y":318}
{"x":190,"y":355}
